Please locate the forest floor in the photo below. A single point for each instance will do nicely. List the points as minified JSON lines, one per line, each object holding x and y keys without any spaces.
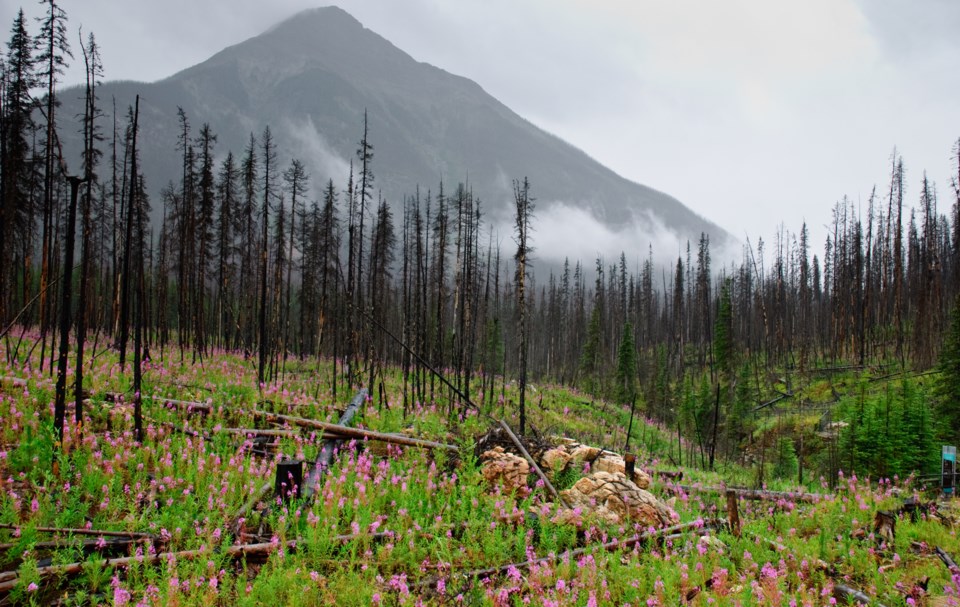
{"x":189,"y":515}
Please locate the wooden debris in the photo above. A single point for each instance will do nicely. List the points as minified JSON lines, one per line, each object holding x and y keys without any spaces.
{"x":947,"y":560}
{"x":93,"y":532}
{"x":10,"y":579}
{"x":885,"y":527}
{"x":533,"y":463}
{"x":842,"y":592}
{"x":85,"y":544}
{"x":733,"y":513}
{"x":325,"y":456}
{"x":572,"y":555}
{"x":753,"y":494}
{"x":496,"y":436}
{"x":341,"y":431}
{"x":915,"y":508}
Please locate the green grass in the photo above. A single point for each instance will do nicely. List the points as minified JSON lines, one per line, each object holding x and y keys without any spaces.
{"x":440,"y":518}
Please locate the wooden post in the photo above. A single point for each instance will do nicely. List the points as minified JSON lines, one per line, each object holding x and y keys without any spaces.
{"x":289,"y":479}
{"x":885,"y":527}
{"x":733,"y":514}
{"x":630,"y":465}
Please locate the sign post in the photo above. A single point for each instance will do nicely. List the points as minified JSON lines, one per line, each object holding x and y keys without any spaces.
{"x":948,"y":469}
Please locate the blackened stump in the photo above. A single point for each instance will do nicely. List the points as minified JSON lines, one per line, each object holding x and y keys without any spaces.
{"x":289,"y":479}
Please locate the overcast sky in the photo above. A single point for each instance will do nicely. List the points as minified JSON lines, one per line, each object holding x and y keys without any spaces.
{"x":751,"y":112}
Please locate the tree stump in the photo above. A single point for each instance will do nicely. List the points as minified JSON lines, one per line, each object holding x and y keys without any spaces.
{"x":288,"y":479}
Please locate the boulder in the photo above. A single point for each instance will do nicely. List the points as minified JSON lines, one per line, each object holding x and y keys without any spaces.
{"x":568,"y":454}
{"x":555,"y":459}
{"x":614,"y":464}
{"x":584,"y":453}
{"x":612,"y":497}
{"x":500,"y":468}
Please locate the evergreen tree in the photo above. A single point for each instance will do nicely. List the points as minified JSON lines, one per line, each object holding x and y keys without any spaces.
{"x":627,"y":367}
{"x":948,"y":383}
{"x":590,"y":356}
{"x":15,"y":213}
{"x":786,"y":464}
{"x":627,"y":376}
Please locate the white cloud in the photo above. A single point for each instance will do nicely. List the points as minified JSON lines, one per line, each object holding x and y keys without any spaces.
{"x":751,"y":112}
{"x":318,"y":157}
{"x":561,"y":230}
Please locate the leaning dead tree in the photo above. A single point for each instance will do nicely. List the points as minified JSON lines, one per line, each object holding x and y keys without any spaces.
{"x":330,"y":445}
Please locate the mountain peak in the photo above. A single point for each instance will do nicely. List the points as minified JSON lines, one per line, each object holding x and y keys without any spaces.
{"x":321,"y":16}
{"x":314,"y":76}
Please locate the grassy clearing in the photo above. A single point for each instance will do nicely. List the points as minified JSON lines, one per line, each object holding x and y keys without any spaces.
{"x":398,"y":526}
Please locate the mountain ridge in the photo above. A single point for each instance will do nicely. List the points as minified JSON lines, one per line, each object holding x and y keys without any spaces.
{"x":312,"y":76}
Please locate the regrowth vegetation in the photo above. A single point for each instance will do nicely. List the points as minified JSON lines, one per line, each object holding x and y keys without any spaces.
{"x":258,"y":287}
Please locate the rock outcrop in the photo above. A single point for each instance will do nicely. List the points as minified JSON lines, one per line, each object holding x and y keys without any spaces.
{"x":613,"y":498}
{"x":503,"y":469}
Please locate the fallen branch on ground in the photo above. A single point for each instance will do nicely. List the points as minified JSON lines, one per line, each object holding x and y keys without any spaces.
{"x":573,"y":554}
{"x":533,"y":464}
{"x":947,"y":560}
{"x":752,"y":494}
{"x":840,"y":591}
{"x":9,"y":579}
{"x":94,"y":532}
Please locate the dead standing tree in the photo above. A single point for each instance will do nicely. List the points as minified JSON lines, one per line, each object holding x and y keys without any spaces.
{"x":524,"y":208}
{"x":65,"y":322}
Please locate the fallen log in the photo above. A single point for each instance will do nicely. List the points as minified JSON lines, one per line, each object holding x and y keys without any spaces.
{"x":9,"y":579}
{"x":840,"y":591}
{"x":844,"y":592}
{"x":186,"y":404}
{"x":533,"y":464}
{"x":180,"y":429}
{"x":16,"y":382}
{"x":573,"y":554}
{"x":86,"y":544}
{"x":94,"y":532}
{"x":947,"y":560}
{"x":770,"y":403}
{"x":341,"y":431}
{"x":261,"y":432}
{"x":752,"y":494}
{"x":329,"y":446}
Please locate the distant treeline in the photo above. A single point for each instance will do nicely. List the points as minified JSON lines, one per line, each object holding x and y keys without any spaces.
{"x":245,"y":259}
